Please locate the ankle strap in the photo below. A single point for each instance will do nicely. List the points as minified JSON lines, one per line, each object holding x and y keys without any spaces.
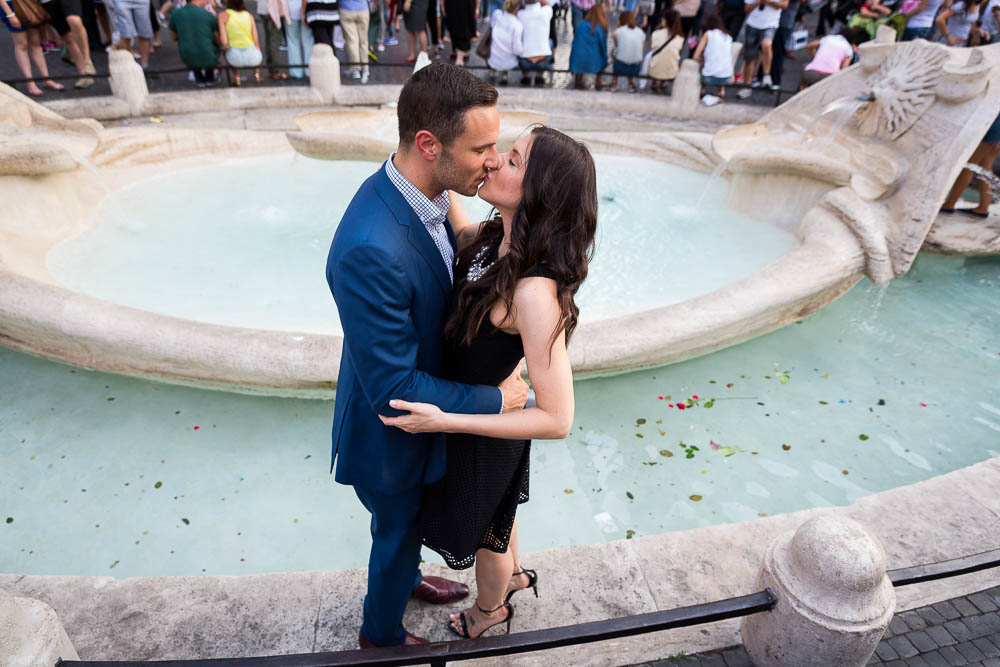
{"x":490,"y":611}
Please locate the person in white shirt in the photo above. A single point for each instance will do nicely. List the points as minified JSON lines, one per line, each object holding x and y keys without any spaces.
{"x":629,"y":41}
{"x":536,"y":52}
{"x":715,"y":53}
{"x":958,"y":23}
{"x":505,"y":39}
{"x":762,"y":21}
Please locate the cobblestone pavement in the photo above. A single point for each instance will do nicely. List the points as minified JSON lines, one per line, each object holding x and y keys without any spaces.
{"x":962,"y":631}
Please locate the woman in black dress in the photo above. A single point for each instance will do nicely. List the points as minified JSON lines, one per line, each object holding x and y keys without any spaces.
{"x":515,"y":279}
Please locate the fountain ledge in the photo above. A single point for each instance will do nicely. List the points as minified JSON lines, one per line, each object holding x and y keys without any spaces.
{"x":146,"y":618}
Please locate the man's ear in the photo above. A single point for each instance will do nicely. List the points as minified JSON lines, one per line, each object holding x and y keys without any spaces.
{"x":427,"y":145}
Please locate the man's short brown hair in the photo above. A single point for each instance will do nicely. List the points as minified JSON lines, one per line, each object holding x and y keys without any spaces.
{"x":436,"y":98}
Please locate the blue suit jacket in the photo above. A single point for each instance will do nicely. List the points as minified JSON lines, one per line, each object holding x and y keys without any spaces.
{"x":392,"y":290}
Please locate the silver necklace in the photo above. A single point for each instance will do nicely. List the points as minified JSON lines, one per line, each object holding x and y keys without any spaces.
{"x":476,"y":269}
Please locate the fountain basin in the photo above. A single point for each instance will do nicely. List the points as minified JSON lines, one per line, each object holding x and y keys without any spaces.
{"x":43,"y":315}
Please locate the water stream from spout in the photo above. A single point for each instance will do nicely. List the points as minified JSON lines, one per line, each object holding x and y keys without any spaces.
{"x":716,"y":175}
{"x":844,"y":108}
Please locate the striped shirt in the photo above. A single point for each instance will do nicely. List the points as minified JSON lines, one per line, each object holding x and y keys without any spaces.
{"x":432,"y":212}
{"x":322,"y":10}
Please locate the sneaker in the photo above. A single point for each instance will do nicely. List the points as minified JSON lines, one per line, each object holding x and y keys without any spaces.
{"x":355,"y":75}
{"x":364,"y":77}
{"x":84,"y":82}
{"x":380,"y":48}
{"x":755,"y":83}
{"x":767,"y":83}
{"x":744,"y":93}
{"x":391,"y":41}
{"x":710,"y":100}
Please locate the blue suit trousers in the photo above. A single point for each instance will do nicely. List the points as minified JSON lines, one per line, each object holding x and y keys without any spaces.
{"x":394,"y":562}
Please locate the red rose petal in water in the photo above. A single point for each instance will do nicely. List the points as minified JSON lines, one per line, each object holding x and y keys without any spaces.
{"x":661,"y":398}
{"x":681,"y":406}
{"x":923,"y":405}
{"x":670,"y":405}
{"x":196,"y":428}
{"x":695,"y":397}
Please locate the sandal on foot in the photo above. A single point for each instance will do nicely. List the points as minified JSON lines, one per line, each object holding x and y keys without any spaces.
{"x":977,"y":213}
{"x":464,"y":633}
{"x":37,"y":92}
{"x":947,"y":211}
{"x":532,"y":583}
{"x":53,"y":85}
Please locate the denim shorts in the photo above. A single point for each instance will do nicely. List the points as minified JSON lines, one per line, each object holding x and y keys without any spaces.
{"x":755,"y":37}
{"x":714,"y":80}
{"x":625,"y":69}
{"x":132,"y":18}
{"x":993,"y":134}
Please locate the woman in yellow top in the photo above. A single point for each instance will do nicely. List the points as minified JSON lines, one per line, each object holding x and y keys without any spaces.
{"x":238,"y":38}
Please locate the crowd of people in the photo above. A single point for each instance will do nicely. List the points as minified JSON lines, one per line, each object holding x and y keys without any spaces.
{"x":645,"y":45}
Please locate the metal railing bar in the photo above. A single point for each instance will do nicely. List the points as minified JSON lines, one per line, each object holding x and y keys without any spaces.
{"x":949,"y":568}
{"x":536,"y":640}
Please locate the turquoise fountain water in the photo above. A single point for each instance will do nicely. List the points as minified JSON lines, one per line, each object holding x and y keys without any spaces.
{"x":254,"y":256}
{"x":105,"y":474}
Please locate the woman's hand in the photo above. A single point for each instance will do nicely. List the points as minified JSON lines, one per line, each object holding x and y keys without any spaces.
{"x":423,"y":417}
{"x":14,"y":21}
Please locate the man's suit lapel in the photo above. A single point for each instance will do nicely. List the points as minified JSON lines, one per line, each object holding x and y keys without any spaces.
{"x":417,"y":234}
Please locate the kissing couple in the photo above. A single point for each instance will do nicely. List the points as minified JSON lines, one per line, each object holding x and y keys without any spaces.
{"x":430,"y":426}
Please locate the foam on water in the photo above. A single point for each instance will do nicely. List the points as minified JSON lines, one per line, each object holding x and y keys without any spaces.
{"x":246,"y":244}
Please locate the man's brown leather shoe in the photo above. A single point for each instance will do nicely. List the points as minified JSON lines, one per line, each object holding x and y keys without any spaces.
{"x":410,"y":641}
{"x":438,"y":590}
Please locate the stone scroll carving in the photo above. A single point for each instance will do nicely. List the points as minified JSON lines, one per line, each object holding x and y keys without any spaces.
{"x":901,"y":123}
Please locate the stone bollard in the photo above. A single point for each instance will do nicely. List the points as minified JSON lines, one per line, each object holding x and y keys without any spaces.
{"x":324,"y":72}
{"x":834,"y":598}
{"x":686,"y":91}
{"x":885,"y":34}
{"x":128,"y":81}
{"x":31,"y":634}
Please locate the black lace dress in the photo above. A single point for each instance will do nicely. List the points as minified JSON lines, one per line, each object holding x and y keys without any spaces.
{"x":473,"y":506}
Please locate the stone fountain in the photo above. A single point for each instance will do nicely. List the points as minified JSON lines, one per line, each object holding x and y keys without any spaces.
{"x":859,"y":186}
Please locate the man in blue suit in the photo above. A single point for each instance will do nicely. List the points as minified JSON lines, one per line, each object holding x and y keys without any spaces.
{"x":390,"y":271}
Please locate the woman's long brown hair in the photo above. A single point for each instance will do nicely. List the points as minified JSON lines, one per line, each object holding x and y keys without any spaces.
{"x":553,"y":228}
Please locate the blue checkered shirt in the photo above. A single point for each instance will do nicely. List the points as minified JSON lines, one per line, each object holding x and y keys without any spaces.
{"x":432,"y":212}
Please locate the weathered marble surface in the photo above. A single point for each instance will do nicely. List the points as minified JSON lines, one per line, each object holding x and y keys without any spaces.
{"x":187,"y":617}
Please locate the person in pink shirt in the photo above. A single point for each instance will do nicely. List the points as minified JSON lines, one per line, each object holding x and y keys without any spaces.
{"x":831,"y":54}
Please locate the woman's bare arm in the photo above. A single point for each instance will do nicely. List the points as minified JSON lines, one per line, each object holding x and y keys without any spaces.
{"x":536,"y":316}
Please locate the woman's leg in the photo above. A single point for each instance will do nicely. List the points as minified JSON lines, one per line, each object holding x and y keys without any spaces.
{"x":23,"y":62}
{"x":493,"y":572}
{"x":411,"y":43}
{"x":965,"y":177}
{"x":38,"y":57}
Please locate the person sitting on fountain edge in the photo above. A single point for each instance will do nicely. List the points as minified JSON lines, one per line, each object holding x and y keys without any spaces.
{"x":197,"y":33}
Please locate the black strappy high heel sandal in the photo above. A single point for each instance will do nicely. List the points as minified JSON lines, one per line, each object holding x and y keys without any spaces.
{"x":464,"y":634}
{"x":532,"y":583}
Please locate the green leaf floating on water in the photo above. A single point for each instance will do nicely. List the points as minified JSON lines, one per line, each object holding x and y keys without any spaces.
{"x":727,"y":451}
{"x":666,"y":452}
{"x":862,"y":437}
{"x":640,"y":421}
{"x":695,"y":497}
{"x":783,"y":377}
{"x":709,"y":403}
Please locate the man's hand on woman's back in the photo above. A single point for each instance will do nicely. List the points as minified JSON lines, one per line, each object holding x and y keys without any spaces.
{"x":515,"y":391}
